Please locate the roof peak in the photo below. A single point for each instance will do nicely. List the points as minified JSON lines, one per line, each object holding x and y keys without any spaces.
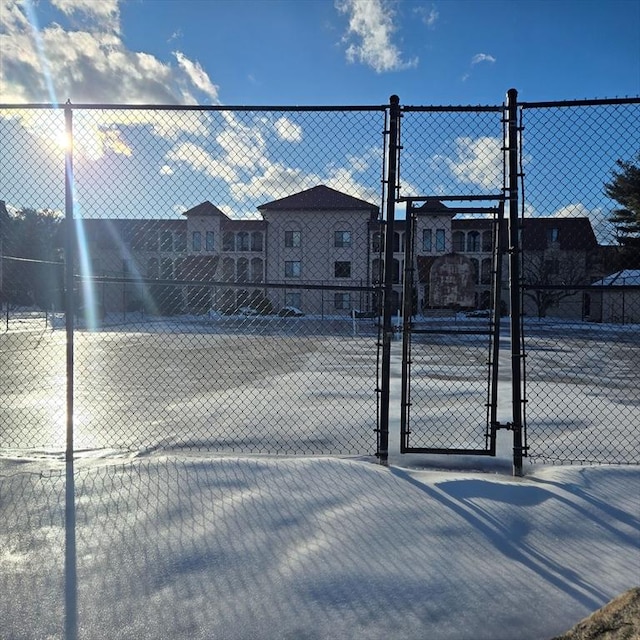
{"x":205,"y":208}
{"x":320,"y":197}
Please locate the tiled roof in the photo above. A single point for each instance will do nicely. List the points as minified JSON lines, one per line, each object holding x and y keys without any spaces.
{"x":205,"y":209}
{"x":319,"y":198}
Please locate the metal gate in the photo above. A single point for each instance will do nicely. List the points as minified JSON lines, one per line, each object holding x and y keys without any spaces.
{"x":449,"y":358}
{"x":451,"y":337}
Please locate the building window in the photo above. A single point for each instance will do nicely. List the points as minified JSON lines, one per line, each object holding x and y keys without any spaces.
{"x":342,"y":301}
{"x":398,"y":242}
{"x":440,"y":244}
{"x":487,"y":241}
{"x":256,"y":241}
{"x":292,"y":269}
{"x":427,"y":240}
{"x":552,"y":235}
{"x":293,"y":299}
{"x":377,"y":241}
{"x":396,"y":271}
{"x":342,"y":269}
{"x":242,"y":270}
{"x":292,"y":239}
{"x":485,"y":271}
{"x":342,"y":239}
{"x":228,"y":241}
{"x":458,"y":241}
{"x":166,"y":241}
{"x":196,"y":241}
{"x":242,"y":241}
{"x":377,"y":270}
{"x":257,"y":270}
{"x":180,"y":241}
{"x":228,"y":269}
{"x":473,"y":241}
{"x":210,"y":240}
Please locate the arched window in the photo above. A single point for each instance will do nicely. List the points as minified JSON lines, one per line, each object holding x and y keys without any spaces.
{"x":458,"y":241}
{"x":396,"y":271}
{"x":377,"y":241}
{"x":485,"y":273}
{"x":242,"y":241}
{"x":242,"y":270}
{"x":397,"y":246}
{"x":377,"y":270}
{"x":228,"y":269}
{"x":487,"y":241}
{"x":257,"y":270}
{"x":228,"y":241}
{"x":473,"y":241}
{"x":256,"y":241}
{"x":476,"y":270}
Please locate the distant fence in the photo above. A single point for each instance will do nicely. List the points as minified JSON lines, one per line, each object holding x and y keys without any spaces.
{"x":222,"y":270}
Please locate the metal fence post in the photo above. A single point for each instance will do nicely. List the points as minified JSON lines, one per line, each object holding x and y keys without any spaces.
{"x":514,"y":279}
{"x":387,"y":329}
{"x":69,"y":266}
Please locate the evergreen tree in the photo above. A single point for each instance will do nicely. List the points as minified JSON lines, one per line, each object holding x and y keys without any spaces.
{"x":624,"y":188}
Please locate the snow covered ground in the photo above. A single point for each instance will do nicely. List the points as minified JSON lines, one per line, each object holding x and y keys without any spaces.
{"x":156,"y":544}
{"x":308,"y":548}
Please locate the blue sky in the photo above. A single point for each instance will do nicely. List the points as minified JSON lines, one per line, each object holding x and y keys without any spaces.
{"x":260,"y":52}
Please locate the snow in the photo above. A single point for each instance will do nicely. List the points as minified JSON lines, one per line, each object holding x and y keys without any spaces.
{"x":155,"y":546}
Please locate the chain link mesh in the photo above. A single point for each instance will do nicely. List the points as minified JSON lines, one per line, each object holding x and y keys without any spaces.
{"x":581,"y":293}
{"x":455,"y":152}
{"x":226,"y":293}
{"x":201,"y":320}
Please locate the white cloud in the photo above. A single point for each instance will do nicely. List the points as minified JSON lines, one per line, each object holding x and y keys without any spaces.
{"x":92,"y":64}
{"x":482,"y":57}
{"x":106,"y":12}
{"x":287,"y":130}
{"x":198,"y":159}
{"x":197,"y":75}
{"x":166,"y":170}
{"x":478,"y":161}
{"x":428,"y":16}
{"x":371,"y":23}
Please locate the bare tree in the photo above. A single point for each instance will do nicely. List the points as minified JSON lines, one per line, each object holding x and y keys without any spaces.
{"x":552,"y":269}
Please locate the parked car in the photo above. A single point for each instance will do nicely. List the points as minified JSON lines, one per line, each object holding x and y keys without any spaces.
{"x":248,"y":311}
{"x":290,"y":312}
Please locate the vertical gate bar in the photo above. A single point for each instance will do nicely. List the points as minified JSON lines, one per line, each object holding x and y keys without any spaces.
{"x":514,"y":278}
{"x":387,"y":330}
{"x":407,"y":316}
{"x":69,"y":267}
{"x":495,"y":337}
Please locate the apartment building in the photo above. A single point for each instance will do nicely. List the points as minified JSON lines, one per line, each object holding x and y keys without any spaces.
{"x":320,"y":250}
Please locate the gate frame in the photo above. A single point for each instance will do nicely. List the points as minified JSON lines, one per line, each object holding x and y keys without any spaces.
{"x":494,"y":330}
{"x":511,"y":133}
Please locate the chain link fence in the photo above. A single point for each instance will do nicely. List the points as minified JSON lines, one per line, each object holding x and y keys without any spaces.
{"x":580,"y":282}
{"x":213,"y":309}
{"x":228,"y":267}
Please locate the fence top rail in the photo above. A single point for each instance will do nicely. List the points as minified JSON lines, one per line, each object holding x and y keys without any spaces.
{"x":452,"y":108}
{"x":177,"y":107}
{"x":580,"y":103}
